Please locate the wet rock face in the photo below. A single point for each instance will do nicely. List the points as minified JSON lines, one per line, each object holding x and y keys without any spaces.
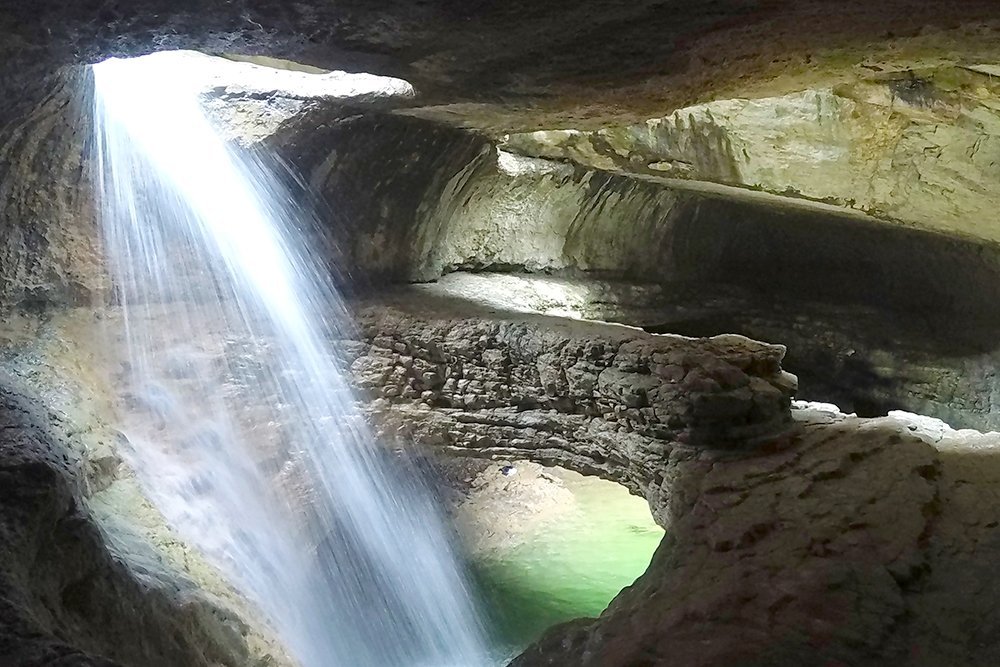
{"x":596,"y":398}
{"x":49,"y":248}
{"x":844,"y":546}
{"x":385,"y":183}
{"x":66,"y":596}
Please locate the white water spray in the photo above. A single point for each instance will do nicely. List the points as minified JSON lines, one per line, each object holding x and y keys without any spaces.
{"x":243,"y":428}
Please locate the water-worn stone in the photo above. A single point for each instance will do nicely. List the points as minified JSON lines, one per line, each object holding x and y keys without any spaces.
{"x":851,"y":542}
{"x":868,"y":359}
{"x":90,"y":574}
{"x":912,"y":146}
{"x":834,"y":540}
{"x":831,"y":540}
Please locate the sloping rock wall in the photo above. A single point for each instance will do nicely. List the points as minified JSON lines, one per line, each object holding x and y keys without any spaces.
{"x":49,"y":244}
{"x":66,"y":596}
{"x":916,"y":147}
{"x":412,"y":200}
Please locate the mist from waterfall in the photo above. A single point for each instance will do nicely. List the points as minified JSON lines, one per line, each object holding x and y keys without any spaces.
{"x":241,"y":424}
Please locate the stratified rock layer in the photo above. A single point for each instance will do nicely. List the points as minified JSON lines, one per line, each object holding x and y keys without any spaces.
{"x":866,"y":359}
{"x":831,"y":540}
{"x":917,"y":147}
{"x":520,"y":64}
{"x":596,"y":398}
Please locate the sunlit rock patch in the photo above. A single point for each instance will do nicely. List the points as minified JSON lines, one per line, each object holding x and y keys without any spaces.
{"x":548,"y":545}
{"x":915,"y":146}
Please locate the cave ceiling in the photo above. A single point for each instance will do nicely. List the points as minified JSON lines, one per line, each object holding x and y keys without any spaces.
{"x":520,"y":65}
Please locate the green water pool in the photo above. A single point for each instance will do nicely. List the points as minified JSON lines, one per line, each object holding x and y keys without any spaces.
{"x":571,"y":567}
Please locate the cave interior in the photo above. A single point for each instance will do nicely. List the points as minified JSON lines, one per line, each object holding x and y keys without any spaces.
{"x":697,"y":298}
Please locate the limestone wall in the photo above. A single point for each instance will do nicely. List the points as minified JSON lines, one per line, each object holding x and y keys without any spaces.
{"x":598,"y":398}
{"x":857,"y":542}
{"x":82,"y":584}
{"x":411,"y":200}
{"x":49,"y":243}
{"x":918,"y":147}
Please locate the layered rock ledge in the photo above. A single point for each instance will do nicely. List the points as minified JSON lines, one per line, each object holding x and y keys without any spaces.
{"x":597,"y":398}
{"x":793,"y":536}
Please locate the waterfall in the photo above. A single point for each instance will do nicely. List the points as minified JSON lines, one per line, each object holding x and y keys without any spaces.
{"x":242,"y":427}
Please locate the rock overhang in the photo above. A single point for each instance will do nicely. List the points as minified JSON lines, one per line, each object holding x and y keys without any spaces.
{"x":517,"y":65}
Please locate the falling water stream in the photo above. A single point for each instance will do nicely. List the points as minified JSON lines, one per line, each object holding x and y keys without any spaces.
{"x":243,"y":429}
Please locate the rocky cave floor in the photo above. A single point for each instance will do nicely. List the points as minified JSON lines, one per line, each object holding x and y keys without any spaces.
{"x":810,"y":538}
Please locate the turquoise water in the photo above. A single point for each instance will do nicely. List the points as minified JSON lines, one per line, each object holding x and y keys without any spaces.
{"x":570,"y":567}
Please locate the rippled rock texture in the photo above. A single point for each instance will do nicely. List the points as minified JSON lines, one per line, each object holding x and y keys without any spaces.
{"x":866,"y":359}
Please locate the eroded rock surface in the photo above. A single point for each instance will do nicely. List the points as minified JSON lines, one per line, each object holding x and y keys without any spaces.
{"x":826,"y":539}
{"x":49,"y":243}
{"x":66,"y":599}
{"x":852,"y":542}
{"x":912,"y":146}
{"x":409,"y":199}
{"x":596,"y":398}
{"x":521,"y":65}
{"x":866,"y":359}
{"x":89,"y":572}
{"x":412,"y":200}
{"x":834,"y":540}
